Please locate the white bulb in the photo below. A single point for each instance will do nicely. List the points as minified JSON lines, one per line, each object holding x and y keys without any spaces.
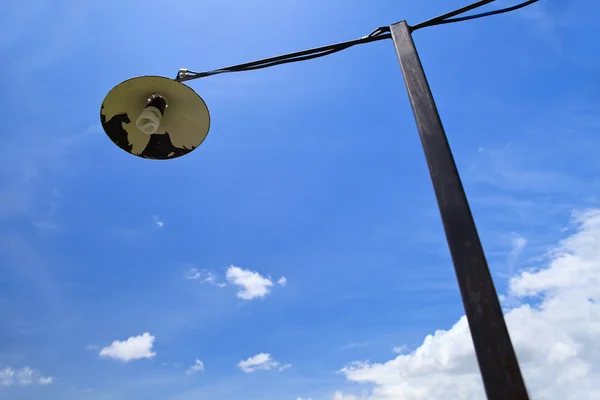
{"x":149,"y":120}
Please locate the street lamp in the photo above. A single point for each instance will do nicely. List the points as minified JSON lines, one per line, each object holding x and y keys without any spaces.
{"x":155,"y":117}
{"x":160,"y":118}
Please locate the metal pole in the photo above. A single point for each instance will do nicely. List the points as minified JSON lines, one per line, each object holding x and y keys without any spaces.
{"x":497,"y":360}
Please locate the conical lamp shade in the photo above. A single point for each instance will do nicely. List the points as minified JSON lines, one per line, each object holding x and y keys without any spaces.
{"x":180,"y":121}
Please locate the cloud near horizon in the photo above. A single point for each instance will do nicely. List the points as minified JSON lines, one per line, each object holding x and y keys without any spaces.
{"x":556,"y":337}
{"x":24,"y":377}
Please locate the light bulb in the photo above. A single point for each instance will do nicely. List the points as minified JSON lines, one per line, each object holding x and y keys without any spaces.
{"x":149,"y":119}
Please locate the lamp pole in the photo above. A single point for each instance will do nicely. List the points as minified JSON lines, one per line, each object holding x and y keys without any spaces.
{"x":186,"y":124}
{"x":497,"y":360}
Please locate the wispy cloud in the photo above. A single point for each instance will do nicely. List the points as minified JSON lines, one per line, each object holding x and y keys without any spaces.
{"x":282,"y":281}
{"x":198,"y":366}
{"x":47,"y":222}
{"x":540,"y":15}
{"x":159,"y":223}
{"x":341,"y":396}
{"x":30,"y":178}
{"x":203,"y":276}
{"x":354,"y":345}
{"x":518,"y":244}
{"x":134,"y":348}
{"x":25,"y":376}
{"x":46,"y":380}
{"x":59,"y":39}
{"x":176,"y":365}
{"x":400,"y":349}
{"x":261,"y":361}
{"x":506,"y":169}
{"x":527,"y":163}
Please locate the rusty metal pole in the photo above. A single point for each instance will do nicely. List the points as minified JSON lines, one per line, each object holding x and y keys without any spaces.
{"x":497,"y":360}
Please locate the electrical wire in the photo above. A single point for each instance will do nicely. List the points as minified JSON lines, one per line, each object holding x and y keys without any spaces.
{"x":378,"y":34}
{"x":451,"y":14}
{"x":476,"y":16}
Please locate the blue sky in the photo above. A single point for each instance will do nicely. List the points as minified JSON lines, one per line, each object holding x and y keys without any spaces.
{"x":311,"y":171}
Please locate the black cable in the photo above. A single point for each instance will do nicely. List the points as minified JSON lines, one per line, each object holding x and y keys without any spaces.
{"x":489,"y":13}
{"x":454,"y":13}
{"x":476,"y":16}
{"x":289,"y":58}
{"x":297,"y":59}
{"x":380,"y":33}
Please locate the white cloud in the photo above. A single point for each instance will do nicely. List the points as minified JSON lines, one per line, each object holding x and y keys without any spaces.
{"x":340,"y":396}
{"x":204,"y":275}
{"x":193,"y":273}
{"x":197,"y":367}
{"x":134,"y":348}
{"x":252,"y":284}
{"x":282,"y":281}
{"x":400,"y":349}
{"x":354,"y":345}
{"x":284,"y":367}
{"x":261,"y":361}
{"x":555,"y":338}
{"x":25,"y":376}
{"x":6,"y":376}
{"x":158,"y":222}
{"x":518,"y":244}
{"x":45,"y":380}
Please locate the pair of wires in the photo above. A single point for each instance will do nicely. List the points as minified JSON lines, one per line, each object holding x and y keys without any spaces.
{"x":378,"y":34}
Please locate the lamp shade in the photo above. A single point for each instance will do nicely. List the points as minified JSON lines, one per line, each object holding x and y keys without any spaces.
{"x":155,"y":117}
